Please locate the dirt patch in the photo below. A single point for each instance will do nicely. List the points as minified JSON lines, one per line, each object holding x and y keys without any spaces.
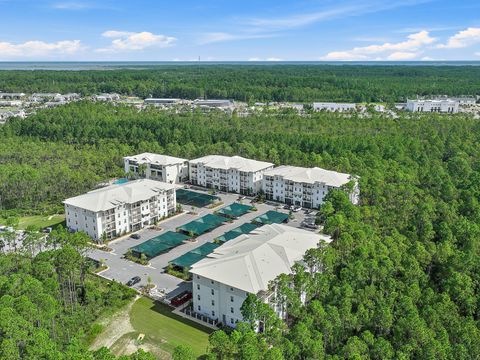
{"x":114,"y":328}
{"x":129,"y":343}
{"x":121,"y":338}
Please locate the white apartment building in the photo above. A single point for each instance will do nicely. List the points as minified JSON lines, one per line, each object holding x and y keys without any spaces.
{"x":118,"y":209}
{"x":246,"y":265}
{"x":164,"y":168}
{"x":304,"y":186}
{"x":329,"y":106}
{"x":232,"y":174}
{"x":442,"y":106}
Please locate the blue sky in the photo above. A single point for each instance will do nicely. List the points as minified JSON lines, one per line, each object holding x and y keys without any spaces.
{"x":244,"y":30}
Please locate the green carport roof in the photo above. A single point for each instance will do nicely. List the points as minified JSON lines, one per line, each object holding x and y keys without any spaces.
{"x":194,"y":256}
{"x":235,"y":210}
{"x":159,"y":244}
{"x":271,"y":217}
{"x":242,"y":229}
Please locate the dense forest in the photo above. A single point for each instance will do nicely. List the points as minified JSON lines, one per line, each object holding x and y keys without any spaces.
{"x":49,"y":302}
{"x":400,"y":279}
{"x":302,"y":83}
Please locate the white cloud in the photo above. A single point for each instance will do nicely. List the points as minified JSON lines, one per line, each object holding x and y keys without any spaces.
{"x":37,"y":48}
{"x":408,"y":49}
{"x":340,"y":11}
{"x":214,"y":37}
{"x":477,"y":53}
{"x":462,"y":39}
{"x":402,"y":55}
{"x":126,"y":40}
{"x":72,"y":5}
{"x":427,"y":58}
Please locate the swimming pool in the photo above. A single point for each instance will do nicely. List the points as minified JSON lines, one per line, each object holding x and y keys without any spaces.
{"x":120,"y":181}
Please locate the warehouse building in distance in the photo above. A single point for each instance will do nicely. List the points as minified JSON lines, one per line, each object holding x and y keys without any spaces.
{"x":228,"y":173}
{"x":246,"y":265}
{"x":157,"y":167}
{"x":439,"y":106}
{"x":334,"y":107}
{"x":118,"y":209}
{"x":305,"y":186}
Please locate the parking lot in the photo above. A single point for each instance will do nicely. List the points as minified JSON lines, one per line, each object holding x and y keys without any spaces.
{"x":122,"y":270}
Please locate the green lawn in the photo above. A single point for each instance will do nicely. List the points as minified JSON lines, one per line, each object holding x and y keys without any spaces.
{"x":39,"y":221}
{"x":166,"y":329}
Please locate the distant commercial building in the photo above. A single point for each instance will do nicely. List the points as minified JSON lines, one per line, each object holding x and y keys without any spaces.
{"x":161,"y":101}
{"x":225,"y":173}
{"x":440,"y":106}
{"x":106,"y":97}
{"x":164,"y":168}
{"x":12,"y":96}
{"x":7,"y":114}
{"x":304,"y":186}
{"x":118,"y":209}
{"x":213,"y":103}
{"x":39,"y":97}
{"x":335,"y":107}
{"x":11,"y":103}
{"x":465,"y":101}
{"x":247,"y":265}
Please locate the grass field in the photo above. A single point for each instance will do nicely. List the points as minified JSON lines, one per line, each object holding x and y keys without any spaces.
{"x":162,"y":330}
{"x":168,"y":330}
{"x":39,"y":221}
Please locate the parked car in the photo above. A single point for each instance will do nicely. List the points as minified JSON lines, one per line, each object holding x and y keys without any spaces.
{"x":242,"y":197}
{"x":134,"y":280}
{"x":309,"y":225}
{"x":135,"y":236}
{"x":296,"y":208}
{"x":287,"y":207}
{"x":181,"y":298}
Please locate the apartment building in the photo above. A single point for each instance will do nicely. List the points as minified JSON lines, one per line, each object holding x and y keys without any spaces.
{"x":118,"y":209}
{"x":246,"y":265}
{"x":232,"y":174}
{"x":441,"y":106}
{"x":305,"y":187}
{"x":334,"y":107}
{"x":164,"y":168}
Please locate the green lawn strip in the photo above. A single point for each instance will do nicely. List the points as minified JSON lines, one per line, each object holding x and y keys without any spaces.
{"x":40,"y":221}
{"x":157,"y":321}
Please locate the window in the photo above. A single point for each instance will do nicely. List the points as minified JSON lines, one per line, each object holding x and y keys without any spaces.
{"x":199,"y":308}
{"x":212,"y":281}
{"x":231,"y":289}
{"x":231,"y":310}
{"x":232,"y":321}
{"x":231,"y":298}
{"x":198,"y":286}
{"x":198,"y":297}
{"x":213,"y":292}
{"x":213,"y":313}
{"x":198,"y":277}
{"x":213,"y":302}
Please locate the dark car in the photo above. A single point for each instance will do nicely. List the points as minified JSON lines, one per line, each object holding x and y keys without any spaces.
{"x":135,"y":236}
{"x":134,"y":280}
